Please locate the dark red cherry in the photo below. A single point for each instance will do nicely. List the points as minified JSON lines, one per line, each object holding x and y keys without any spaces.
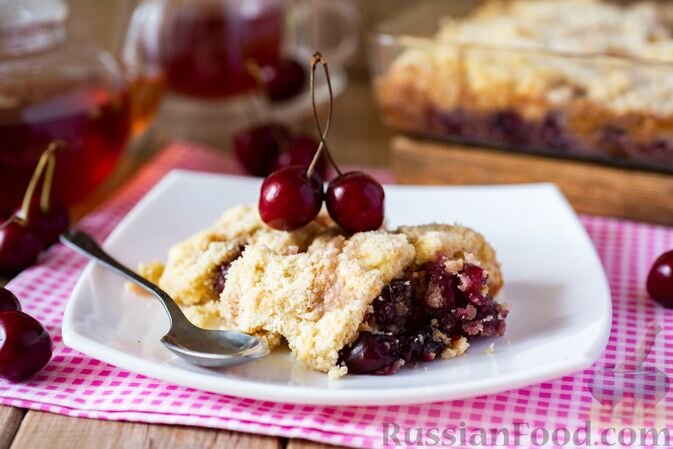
{"x":25,"y":346}
{"x":5,"y":214}
{"x":289,"y":199}
{"x":371,"y":354}
{"x":8,"y":301}
{"x":50,"y":224}
{"x":300,"y":151}
{"x":19,"y":247}
{"x":257,"y":148}
{"x":355,"y":201}
{"x":660,"y":280}
{"x":284,"y":79}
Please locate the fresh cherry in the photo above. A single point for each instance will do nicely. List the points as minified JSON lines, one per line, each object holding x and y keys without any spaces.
{"x":50,"y":224}
{"x":660,"y":280}
{"x":258,"y":147}
{"x":289,"y":199}
{"x":300,"y":151}
{"x":355,"y":201}
{"x":25,"y":346}
{"x":19,"y":247}
{"x":283,"y":80}
{"x":8,"y":301}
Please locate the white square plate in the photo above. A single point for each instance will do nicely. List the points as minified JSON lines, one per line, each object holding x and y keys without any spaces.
{"x":560,"y":301}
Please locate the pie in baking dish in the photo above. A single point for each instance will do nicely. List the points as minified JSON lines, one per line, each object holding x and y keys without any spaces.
{"x":541,"y":77}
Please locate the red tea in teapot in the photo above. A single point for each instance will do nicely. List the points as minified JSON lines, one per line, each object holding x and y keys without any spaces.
{"x":93,"y":122}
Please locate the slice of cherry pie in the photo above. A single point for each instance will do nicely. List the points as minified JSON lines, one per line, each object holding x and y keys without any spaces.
{"x":362,"y":304}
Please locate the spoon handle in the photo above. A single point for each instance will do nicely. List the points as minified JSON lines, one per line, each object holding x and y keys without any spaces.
{"x":83,"y":243}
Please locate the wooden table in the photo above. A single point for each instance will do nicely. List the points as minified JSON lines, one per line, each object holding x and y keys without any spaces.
{"x":356,"y":137}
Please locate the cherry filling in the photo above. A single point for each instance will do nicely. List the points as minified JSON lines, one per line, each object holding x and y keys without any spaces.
{"x":507,"y":127}
{"x":373,"y":354}
{"x":220,"y":278}
{"x":418,"y":317}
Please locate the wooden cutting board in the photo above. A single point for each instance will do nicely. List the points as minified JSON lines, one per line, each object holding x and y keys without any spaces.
{"x":591,"y":188}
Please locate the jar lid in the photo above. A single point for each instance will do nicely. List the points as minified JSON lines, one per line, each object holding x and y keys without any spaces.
{"x":19,"y":13}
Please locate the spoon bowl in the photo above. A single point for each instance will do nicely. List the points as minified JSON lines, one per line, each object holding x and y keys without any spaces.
{"x":215,"y":348}
{"x":202,"y":347}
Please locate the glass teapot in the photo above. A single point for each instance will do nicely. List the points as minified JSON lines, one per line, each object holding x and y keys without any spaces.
{"x":201,"y":48}
{"x":53,"y":87}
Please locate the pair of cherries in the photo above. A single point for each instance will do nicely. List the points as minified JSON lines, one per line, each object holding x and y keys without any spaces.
{"x":25,"y":345}
{"x":35,"y":225}
{"x":265,"y":148}
{"x":291,"y":197}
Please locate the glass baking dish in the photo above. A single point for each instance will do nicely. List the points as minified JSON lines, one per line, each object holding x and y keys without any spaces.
{"x":603,"y":106}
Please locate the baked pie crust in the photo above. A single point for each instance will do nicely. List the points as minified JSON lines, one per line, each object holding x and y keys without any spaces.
{"x":365,"y":303}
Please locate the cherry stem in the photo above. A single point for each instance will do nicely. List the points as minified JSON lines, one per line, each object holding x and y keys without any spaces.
{"x":252,"y":67}
{"x":47,"y":184}
{"x":318,"y":59}
{"x":254,"y":70}
{"x":46,"y":160}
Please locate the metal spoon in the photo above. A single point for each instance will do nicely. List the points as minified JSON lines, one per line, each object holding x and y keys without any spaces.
{"x":209,"y":348}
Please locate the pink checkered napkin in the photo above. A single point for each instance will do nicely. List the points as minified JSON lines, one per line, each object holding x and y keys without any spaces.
{"x":76,"y":385}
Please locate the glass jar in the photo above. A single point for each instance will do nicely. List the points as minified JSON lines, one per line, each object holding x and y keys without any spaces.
{"x":53,"y":87}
